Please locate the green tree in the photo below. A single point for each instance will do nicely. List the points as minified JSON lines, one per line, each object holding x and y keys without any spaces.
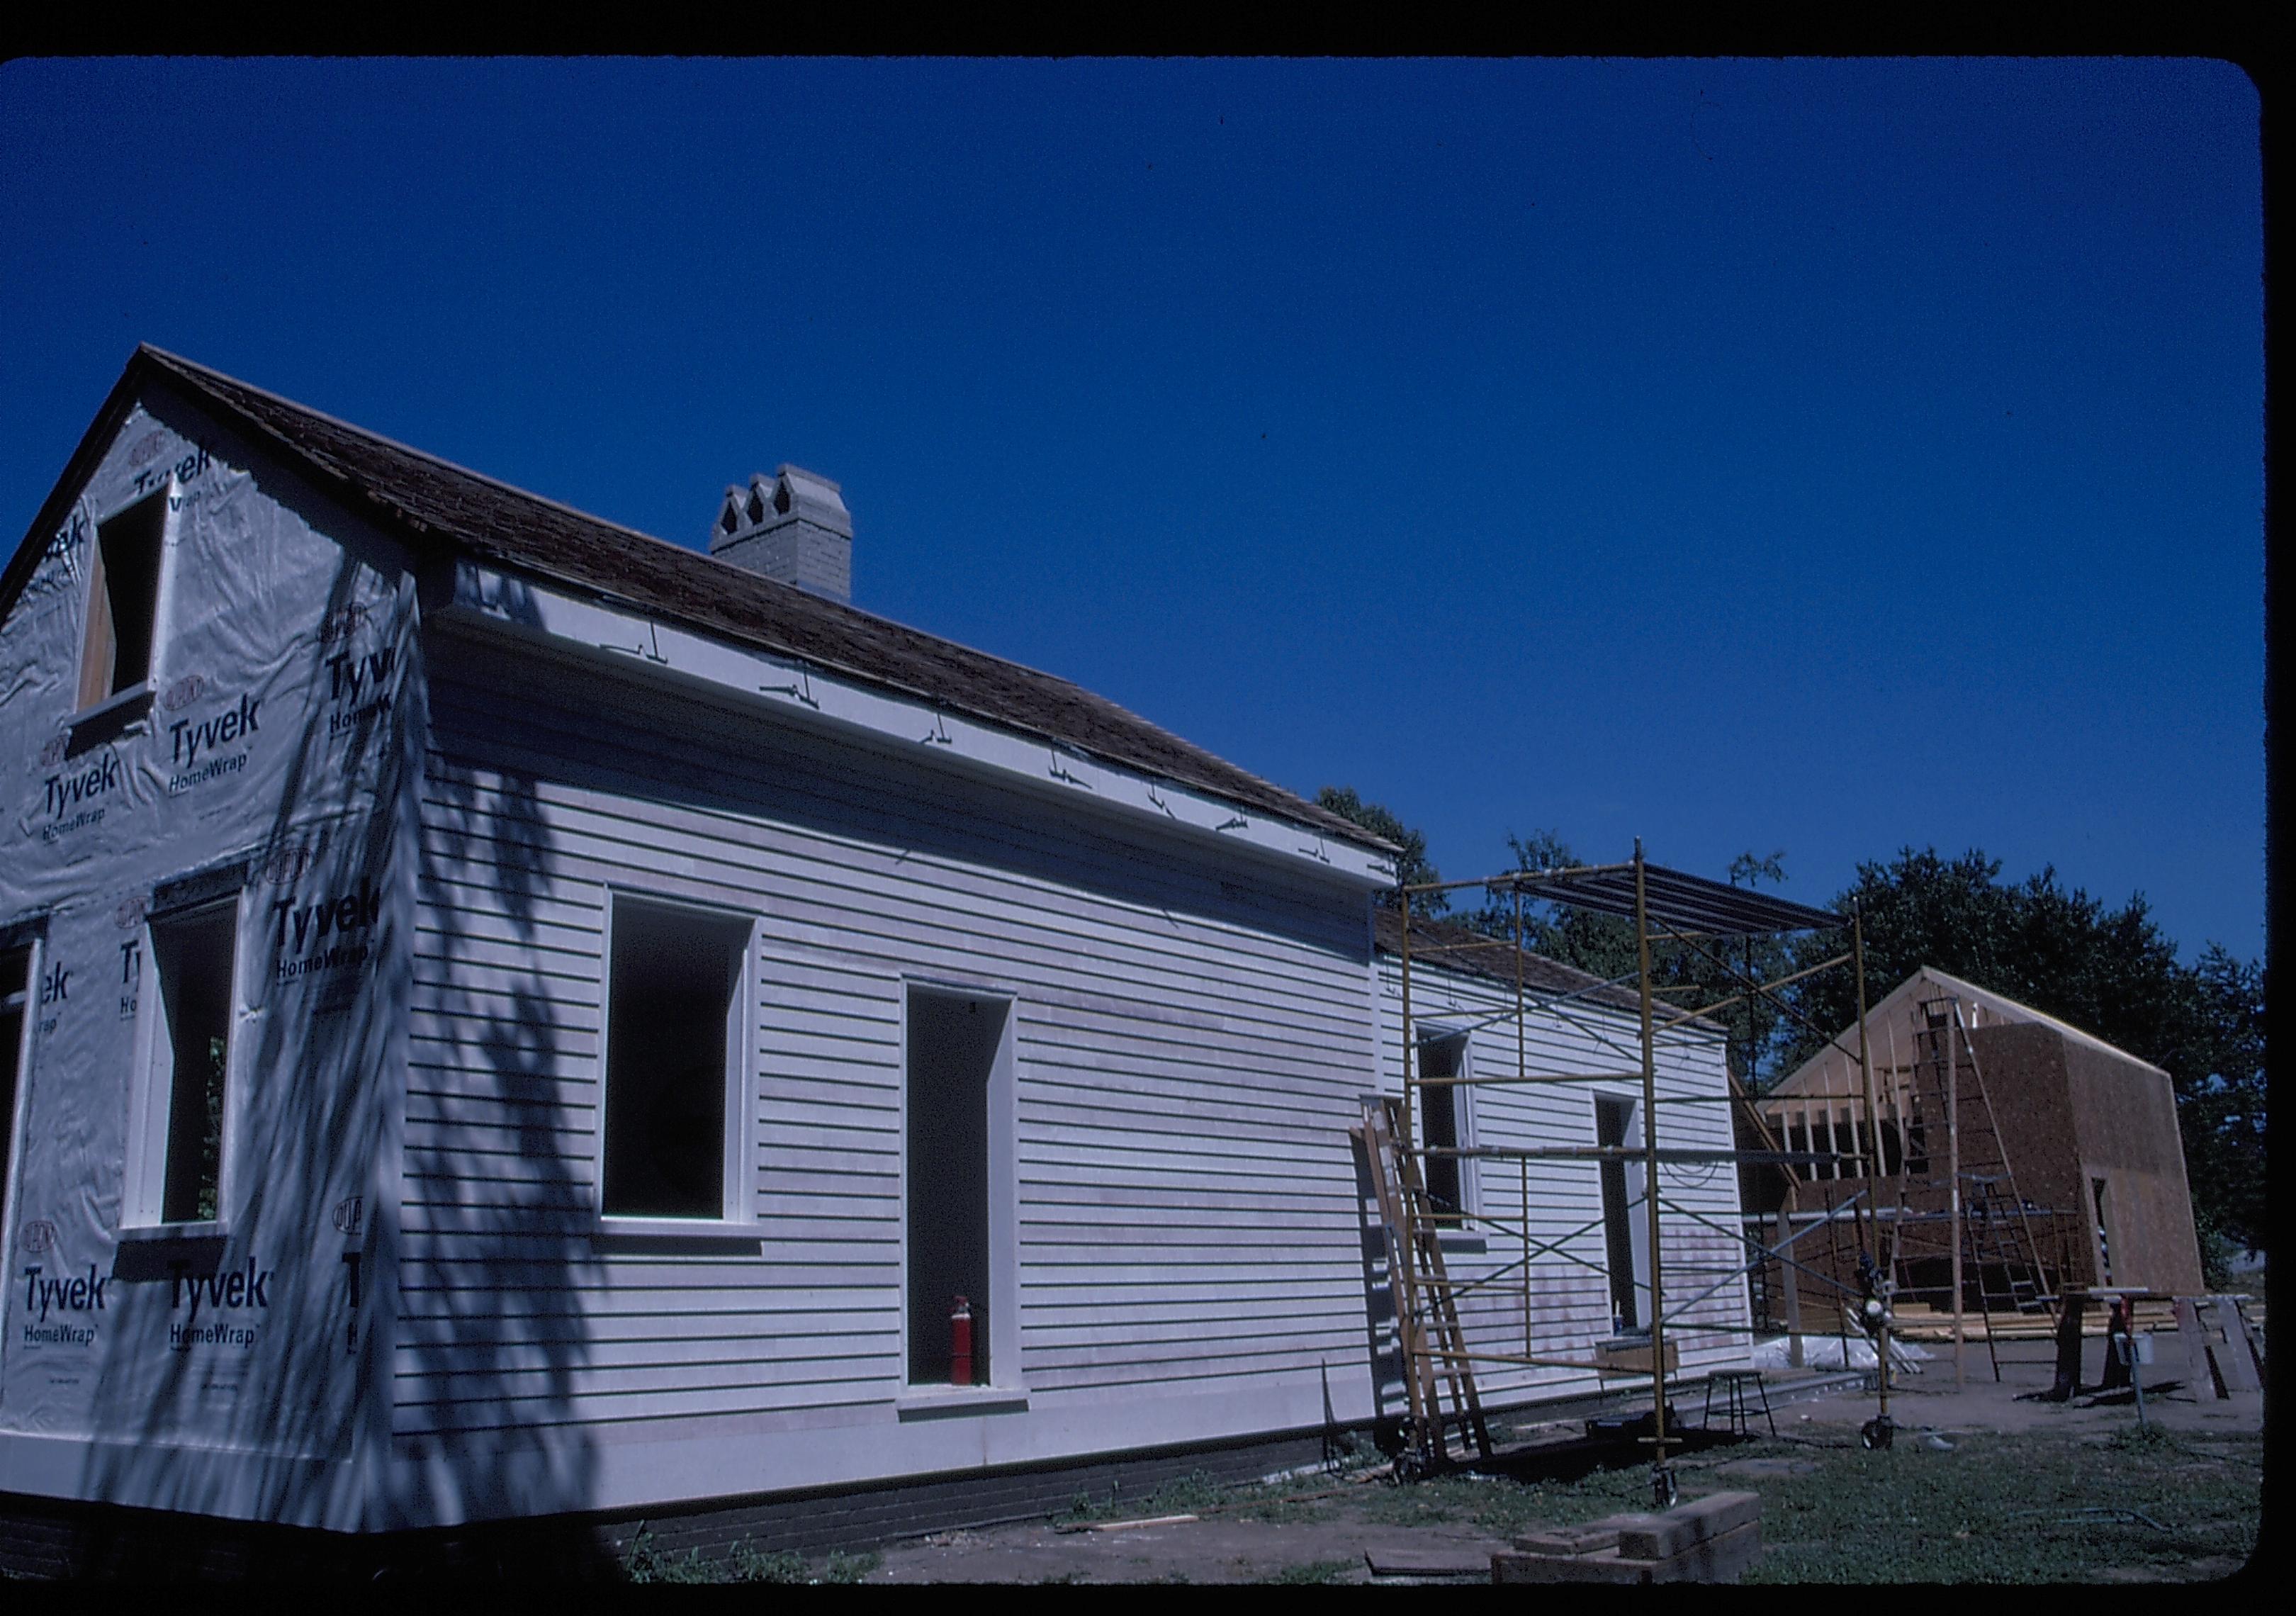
{"x":2217,"y":1061}
{"x":1412,"y":867}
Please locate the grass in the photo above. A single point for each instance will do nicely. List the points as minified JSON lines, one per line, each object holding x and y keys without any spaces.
{"x":1505,"y":1508}
{"x":646,"y":1563}
{"x":2014,"y":1508}
{"x":1192,"y":1494}
{"x":2035,"y":1507}
{"x":1313,"y":1571}
{"x":2029,"y":1507}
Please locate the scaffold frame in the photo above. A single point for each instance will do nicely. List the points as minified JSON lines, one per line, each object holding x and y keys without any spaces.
{"x":1665,"y":906}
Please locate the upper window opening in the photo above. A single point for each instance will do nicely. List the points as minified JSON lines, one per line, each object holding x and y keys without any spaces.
{"x":123,"y":601}
{"x":674,"y":1039}
{"x":1442,"y":1110}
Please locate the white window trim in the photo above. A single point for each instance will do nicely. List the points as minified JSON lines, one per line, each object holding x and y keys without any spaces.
{"x":144,"y":1189}
{"x":737,"y":1214}
{"x":1005,"y":1388}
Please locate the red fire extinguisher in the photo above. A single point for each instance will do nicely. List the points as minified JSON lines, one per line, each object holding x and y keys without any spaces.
{"x":960,"y":1344}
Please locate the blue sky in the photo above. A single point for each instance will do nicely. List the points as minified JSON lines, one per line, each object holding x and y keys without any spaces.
{"x":1826,"y":455}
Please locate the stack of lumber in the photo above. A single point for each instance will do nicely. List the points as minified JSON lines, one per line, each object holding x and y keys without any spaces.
{"x":1916,"y":1321}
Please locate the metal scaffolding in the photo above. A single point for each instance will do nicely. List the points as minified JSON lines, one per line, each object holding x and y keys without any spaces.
{"x":1704,"y":919}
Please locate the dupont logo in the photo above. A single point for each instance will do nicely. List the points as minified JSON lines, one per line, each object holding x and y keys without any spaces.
{"x":129,"y":914}
{"x":350,"y":1214}
{"x":64,"y":549}
{"x":36,"y":1237}
{"x":53,"y":753}
{"x":183,"y":692}
{"x":341,"y":624}
{"x":286,"y":866}
{"x":147,"y":448}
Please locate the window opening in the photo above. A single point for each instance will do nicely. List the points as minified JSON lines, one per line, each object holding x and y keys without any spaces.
{"x":2104,"y":1243}
{"x":15,"y":1012}
{"x":952,"y":1044}
{"x":1441,"y":1109}
{"x":193,"y":956}
{"x":674,"y":1039}
{"x":123,"y":601}
{"x":1614,"y":1119}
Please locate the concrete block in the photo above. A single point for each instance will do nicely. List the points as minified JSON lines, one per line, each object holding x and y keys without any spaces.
{"x":1569,"y":1540}
{"x":1689,"y":1523}
{"x":1709,"y":1539}
{"x":1605,"y":1568}
{"x":1717,"y":1559}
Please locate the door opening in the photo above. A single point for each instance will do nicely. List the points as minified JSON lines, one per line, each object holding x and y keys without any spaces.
{"x":1613,"y":1123}
{"x":954,"y":1039}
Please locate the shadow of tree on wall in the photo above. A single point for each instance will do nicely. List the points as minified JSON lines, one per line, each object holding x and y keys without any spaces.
{"x":498,"y":1270}
{"x":477,"y":1287}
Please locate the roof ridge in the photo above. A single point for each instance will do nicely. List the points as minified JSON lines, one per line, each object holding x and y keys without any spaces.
{"x":206,"y":374}
{"x":832,"y":620}
{"x":2043,"y":1016}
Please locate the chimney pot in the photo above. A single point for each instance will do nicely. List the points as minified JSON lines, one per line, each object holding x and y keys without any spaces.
{"x":792,"y":527}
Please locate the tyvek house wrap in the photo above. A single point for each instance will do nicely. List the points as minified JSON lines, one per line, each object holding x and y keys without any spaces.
{"x":273,"y":764}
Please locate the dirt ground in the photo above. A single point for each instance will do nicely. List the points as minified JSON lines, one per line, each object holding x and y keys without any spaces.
{"x":1333,"y":1529}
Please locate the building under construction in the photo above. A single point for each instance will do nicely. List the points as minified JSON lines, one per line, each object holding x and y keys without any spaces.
{"x":2053,"y":1154}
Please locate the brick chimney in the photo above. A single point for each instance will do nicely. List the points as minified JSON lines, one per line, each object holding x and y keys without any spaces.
{"x":793,"y":525}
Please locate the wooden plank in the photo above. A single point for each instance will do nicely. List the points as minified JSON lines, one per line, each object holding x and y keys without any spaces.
{"x":2198,"y":1376}
{"x":2230,"y":1349}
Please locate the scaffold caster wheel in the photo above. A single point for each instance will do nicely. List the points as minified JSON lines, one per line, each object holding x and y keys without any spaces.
{"x":1665,"y":1492}
{"x":1876,"y":1434}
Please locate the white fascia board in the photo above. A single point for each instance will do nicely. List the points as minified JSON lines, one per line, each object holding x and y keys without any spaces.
{"x":797,"y":692}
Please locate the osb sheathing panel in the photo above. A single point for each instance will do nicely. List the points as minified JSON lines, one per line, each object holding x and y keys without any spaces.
{"x":2126,"y":1119}
{"x":2024,"y":1072}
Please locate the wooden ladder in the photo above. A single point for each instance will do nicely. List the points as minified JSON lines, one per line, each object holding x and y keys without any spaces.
{"x":1429,"y":1338}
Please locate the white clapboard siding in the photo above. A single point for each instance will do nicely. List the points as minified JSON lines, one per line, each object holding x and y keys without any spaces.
{"x":1191,"y":1031}
{"x":1568,"y":1304}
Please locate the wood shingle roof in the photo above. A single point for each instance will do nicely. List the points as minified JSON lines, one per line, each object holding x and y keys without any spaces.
{"x":442,"y":506}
